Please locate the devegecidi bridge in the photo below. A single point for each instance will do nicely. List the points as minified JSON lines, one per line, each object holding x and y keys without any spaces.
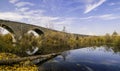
{"x":18,"y":29}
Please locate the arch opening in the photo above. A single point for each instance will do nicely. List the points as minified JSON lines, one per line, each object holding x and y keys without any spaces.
{"x":4,"y":30}
{"x":36,"y":32}
{"x":7,"y":28}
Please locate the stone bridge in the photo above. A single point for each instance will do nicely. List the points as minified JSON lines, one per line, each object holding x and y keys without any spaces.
{"x":19,"y":29}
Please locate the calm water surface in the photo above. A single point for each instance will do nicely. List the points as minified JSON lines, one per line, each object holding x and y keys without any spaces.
{"x":84,"y":59}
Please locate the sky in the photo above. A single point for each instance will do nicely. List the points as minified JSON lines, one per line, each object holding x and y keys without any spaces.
{"x":90,"y":17}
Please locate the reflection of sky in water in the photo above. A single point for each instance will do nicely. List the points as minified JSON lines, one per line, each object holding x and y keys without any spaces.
{"x":94,"y":55}
{"x":90,"y":58}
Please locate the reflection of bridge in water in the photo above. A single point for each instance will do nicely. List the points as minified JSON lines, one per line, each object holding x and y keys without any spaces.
{"x":19,"y":29}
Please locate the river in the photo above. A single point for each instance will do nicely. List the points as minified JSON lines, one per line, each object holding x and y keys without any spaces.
{"x":85,"y":59}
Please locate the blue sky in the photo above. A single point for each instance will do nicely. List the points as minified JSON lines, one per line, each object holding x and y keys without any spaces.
{"x":92,"y":17}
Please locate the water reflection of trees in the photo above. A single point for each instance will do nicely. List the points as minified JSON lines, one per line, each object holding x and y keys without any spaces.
{"x":115,"y":50}
{"x":65,"y":54}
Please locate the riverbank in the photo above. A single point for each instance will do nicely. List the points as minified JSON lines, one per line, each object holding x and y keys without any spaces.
{"x":53,"y":42}
{"x":22,"y":66}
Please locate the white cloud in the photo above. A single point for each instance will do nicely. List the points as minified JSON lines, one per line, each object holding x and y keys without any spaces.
{"x":50,"y":22}
{"x":23,"y":9}
{"x":108,"y":17}
{"x":64,"y":21}
{"x":36,"y":17}
{"x":34,"y":12}
{"x":86,"y":1}
{"x":85,"y":30}
{"x":86,"y":18}
{"x":90,"y":6}
{"x":39,"y":20}
{"x":11,"y":16}
{"x":30,"y":18}
{"x":13,"y":1}
{"x":21,"y":4}
{"x":90,"y":33}
{"x":102,"y":17}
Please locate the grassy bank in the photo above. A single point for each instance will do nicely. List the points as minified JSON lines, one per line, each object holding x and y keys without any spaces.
{"x":54,"y":42}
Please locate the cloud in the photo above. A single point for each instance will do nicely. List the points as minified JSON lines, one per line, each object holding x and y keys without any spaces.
{"x":90,"y":33}
{"x":23,"y":13}
{"x":102,"y":17}
{"x":34,"y":12}
{"x":91,"y":6}
{"x":11,"y":16}
{"x":13,"y":1}
{"x":108,"y":17}
{"x":84,"y":30}
{"x":23,"y":9}
{"x":86,"y":18}
{"x":47,"y":21}
{"x":21,"y":4}
{"x":86,"y":1}
{"x":36,"y":19}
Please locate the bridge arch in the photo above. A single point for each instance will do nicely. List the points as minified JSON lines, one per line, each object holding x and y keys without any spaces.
{"x":40,"y":32}
{"x":7,"y":28}
{"x":10,"y":30}
{"x":36,"y":31}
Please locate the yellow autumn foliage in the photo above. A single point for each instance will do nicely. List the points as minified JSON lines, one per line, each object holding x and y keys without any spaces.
{"x":22,"y":66}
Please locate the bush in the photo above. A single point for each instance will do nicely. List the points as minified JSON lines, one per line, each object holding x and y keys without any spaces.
{"x":116,"y":41}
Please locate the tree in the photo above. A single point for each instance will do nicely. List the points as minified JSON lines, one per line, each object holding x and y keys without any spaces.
{"x":108,"y":39}
{"x":114,"y":33}
{"x":116,"y":41}
{"x":72,"y":41}
{"x":64,"y":29}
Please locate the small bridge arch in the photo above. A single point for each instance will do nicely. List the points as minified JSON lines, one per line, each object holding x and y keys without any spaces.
{"x":9,"y":29}
{"x":36,"y":31}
